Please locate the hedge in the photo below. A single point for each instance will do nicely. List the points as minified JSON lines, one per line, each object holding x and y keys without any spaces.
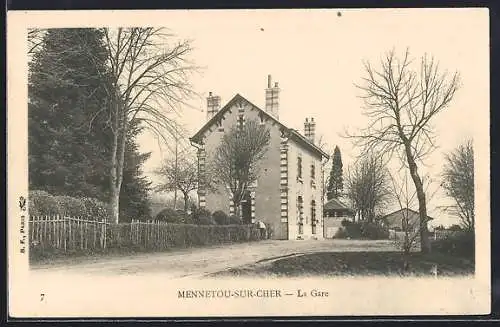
{"x":362,"y":230}
{"x":459,"y":244}
{"x":41,"y":203}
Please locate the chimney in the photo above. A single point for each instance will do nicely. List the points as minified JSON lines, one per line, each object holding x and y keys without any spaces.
{"x":213,"y":105}
{"x":310,"y":129}
{"x":272,"y":98}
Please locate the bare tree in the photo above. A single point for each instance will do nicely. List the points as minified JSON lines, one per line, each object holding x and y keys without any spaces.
{"x":35,"y":40}
{"x":149,"y":82}
{"x":458,"y":181}
{"x":180,"y":174}
{"x":401,"y":103}
{"x":367,"y":187}
{"x":405,"y":199}
{"x":236,"y":159}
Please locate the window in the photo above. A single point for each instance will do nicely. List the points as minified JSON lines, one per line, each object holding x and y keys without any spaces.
{"x":241,"y":121}
{"x":261,"y":116}
{"x":313,"y":172}
{"x":300,"y":207}
{"x":313,"y":216}
{"x":299,"y":168}
{"x":219,"y":125}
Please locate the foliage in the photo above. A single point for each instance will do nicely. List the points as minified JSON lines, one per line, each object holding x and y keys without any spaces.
{"x":460,"y":244}
{"x":42,"y":203}
{"x":233,"y":220}
{"x":374,"y":231}
{"x":362,"y":230}
{"x":201,"y":216}
{"x":336,"y":180}
{"x":220,"y":217}
{"x":341,"y":233}
{"x":237,"y":158}
{"x":148,"y":80}
{"x":69,"y":136}
{"x":134,"y":193}
{"x":401,"y":103}
{"x":66,"y":156}
{"x":170,"y":215}
{"x":205,"y":220}
{"x":367,"y":187}
{"x":179,"y":175}
{"x":458,"y":181}
{"x":455,"y":228}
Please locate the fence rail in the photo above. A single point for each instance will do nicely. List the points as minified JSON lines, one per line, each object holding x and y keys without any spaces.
{"x":69,"y":234}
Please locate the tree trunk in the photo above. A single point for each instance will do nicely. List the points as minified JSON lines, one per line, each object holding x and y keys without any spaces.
{"x":425,"y":244}
{"x":117,"y":159}
{"x":186,"y":201}
{"x":115,"y":204}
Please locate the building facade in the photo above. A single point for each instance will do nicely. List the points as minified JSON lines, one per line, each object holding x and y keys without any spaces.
{"x":288,"y":192}
{"x":334,"y":212}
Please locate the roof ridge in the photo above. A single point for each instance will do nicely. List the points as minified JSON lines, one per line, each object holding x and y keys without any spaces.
{"x":239,"y":96}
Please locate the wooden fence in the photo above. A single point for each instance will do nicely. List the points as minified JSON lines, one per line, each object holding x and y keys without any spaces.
{"x":69,"y":234}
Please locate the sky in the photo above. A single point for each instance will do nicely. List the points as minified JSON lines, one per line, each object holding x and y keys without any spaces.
{"x":317,"y":55}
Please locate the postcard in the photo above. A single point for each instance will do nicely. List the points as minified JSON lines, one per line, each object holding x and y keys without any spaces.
{"x":248,"y":163}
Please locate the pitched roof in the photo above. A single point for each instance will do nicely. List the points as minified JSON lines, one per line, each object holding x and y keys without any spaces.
{"x":293,"y":133}
{"x":396,"y":214}
{"x":335,"y":204}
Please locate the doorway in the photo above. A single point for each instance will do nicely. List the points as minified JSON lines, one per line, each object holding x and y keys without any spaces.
{"x":246,"y":208}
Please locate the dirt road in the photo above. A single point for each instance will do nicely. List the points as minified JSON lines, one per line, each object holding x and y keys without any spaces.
{"x":198,"y":262}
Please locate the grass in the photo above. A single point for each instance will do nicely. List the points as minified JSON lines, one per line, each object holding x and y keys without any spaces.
{"x":359,"y":264}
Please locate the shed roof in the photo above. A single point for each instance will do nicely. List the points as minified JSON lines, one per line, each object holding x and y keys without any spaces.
{"x":336,"y":204}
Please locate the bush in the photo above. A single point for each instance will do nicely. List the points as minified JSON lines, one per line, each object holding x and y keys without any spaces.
{"x":233,"y":220}
{"x":362,"y":230}
{"x":200,"y":212}
{"x":96,"y":208}
{"x":374,"y":231}
{"x":345,"y":222}
{"x":42,"y":203}
{"x":460,"y":244}
{"x":202,"y":216}
{"x":220,"y":217}
{"x":353,"y":230}
{"x":206,"y":220}
{"x":341,"y":233}
{"x":71,"y":207}
{"x":455,"y":228}
{"x":169,"y":215}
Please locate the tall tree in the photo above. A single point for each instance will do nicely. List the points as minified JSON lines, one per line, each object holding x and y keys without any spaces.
{"x":69,"y":137}
{"x":458,"y":181}
{"x":65,"y":93}
{"x":336,"y":180}
{"x":181,"y":175}
{"x":237,"y":158}
{"x":134,"y":194}
{"x":401,"y":103}
{"x":149,"y":81}
{"x":367,"y":187}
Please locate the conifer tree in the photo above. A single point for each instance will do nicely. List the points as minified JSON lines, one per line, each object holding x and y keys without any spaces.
{"x":336,"y":180}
